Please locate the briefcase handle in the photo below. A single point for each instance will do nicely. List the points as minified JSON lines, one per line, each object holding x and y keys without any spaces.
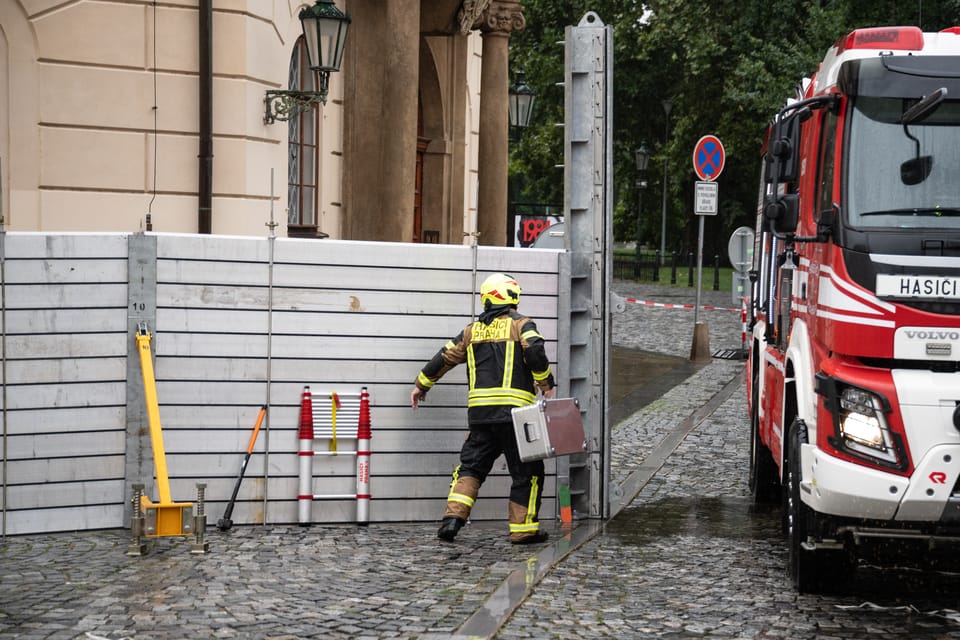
{"x":527,"y":432}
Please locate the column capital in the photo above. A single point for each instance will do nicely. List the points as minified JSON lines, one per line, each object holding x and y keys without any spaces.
{"x":491,"y":16}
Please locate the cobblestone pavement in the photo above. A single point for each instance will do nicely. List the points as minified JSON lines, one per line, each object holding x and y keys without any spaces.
{"x":687,"y":556}
{"x":690,"y":557}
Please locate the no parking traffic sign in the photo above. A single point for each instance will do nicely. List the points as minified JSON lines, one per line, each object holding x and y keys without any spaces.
{"x":708,"y":157}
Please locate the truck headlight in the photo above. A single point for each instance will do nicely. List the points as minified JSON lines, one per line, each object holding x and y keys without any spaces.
{"x":863,"y":426}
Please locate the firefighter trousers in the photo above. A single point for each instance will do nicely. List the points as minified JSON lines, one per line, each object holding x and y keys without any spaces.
{"x":483,"y":446}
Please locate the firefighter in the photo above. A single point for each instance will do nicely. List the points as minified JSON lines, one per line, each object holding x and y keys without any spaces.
{"x":507,"y":365}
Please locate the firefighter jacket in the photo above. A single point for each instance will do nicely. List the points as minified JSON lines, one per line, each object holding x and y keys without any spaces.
{"x":506,"y":363}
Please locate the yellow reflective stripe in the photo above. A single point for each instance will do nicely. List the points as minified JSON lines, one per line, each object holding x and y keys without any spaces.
{"x":471,"y":367}
{"x":462,"y":499}
{"x":532,"y":502}
{"x":450,"y":345}
{"x":490,"y":392}
{"x":542,"y":375}
{"x":524,"y":528}
{"x":497,"y":402}
{"x":508,"y":365}
{"x":487,"y":397}
{"x":424,"y":381}
{"x":526,"y":335}
{"x":456,"y":476}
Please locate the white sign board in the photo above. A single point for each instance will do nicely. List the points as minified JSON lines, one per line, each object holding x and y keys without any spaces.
{"x":740,"y":249}
{"x":707,"y":198}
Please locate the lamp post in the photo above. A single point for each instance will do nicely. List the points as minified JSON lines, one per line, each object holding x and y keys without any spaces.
{"x":520,"y":105}
{"x":643,"y":159}
{"x":667,"y":105}
{"x":325,"y":33}
{"x":520,"y":99}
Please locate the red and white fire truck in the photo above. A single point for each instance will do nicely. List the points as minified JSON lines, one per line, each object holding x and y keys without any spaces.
{"x":853,"y":376}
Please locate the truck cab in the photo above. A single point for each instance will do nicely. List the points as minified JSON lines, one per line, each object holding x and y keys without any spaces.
{"x":854,"y":365}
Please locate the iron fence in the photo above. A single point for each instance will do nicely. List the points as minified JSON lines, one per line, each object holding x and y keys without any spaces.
{"x":651,"y":267}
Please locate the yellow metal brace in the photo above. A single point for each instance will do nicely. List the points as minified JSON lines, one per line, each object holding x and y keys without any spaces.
{"x":165,"y":518}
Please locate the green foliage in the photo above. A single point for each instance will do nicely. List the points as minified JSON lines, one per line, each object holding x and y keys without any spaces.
{"x":727,"y":65}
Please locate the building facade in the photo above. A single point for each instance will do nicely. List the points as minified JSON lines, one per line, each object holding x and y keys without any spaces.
{"x":124,"y":115}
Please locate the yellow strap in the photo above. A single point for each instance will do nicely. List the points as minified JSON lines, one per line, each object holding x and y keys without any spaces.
{"x":334,"y":401}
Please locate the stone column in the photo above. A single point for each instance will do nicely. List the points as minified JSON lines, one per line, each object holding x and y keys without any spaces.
{"x":498,"y":20}
{"x":381,"y":78}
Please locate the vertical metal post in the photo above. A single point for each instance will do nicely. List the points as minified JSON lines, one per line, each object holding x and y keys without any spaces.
{"x":639,"y":238}
{"x":667,"y":105}
{"x":474,"y":239}
{"x":700,"y":348}
{"x":137,"y":546}
{"x":271,"y":248}
{"x":696,"y":311}
{"x":200,"y":544}
{"x":3,"y":354}
{"x":588,"y":215}
{"x":141,"y":307}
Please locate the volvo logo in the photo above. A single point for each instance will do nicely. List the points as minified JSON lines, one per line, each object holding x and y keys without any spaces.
{"x":933,"y":335}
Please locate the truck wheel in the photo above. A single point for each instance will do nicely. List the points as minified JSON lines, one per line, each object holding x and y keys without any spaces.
{"x":812,"y":570}
{"x":764,"y":479}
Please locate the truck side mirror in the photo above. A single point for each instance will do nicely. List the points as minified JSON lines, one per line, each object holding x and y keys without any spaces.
{"x":784,"y":150}
{"x":827,"y":222}
{"x":782,"y":211}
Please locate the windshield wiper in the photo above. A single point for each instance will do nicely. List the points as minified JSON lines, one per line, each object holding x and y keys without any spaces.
{"x":936,"y":212}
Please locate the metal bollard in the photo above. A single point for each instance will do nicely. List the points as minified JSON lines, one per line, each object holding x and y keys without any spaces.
{"x":690,"y":269}
{"x":673,"y":267}
{"x":200,"y":545}
{"x":716,"y":272}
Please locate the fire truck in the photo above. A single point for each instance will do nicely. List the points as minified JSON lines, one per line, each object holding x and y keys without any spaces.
{"x":853,"y":370}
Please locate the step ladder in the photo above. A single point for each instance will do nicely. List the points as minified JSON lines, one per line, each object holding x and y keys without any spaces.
{"x":328,"y":421}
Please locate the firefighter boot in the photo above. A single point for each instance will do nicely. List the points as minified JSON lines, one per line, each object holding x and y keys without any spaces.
{"x":463,"y":494}
{"x":449,"y":527}
{"x":524,"y":526}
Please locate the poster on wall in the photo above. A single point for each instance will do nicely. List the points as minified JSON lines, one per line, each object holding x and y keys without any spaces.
{"x":531,"y":227}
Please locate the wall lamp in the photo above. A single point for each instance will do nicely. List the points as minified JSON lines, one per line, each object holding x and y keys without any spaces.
{"x":325,"y":32}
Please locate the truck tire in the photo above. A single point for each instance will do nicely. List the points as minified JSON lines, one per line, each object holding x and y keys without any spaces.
{"x":764,"y":478}
{"x":812,"y":570}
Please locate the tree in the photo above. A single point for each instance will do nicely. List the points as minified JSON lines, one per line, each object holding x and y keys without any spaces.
{"x":727,"y":66}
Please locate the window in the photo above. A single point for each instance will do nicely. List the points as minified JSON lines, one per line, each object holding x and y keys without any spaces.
{"x":828,"y":144}
{"x":902,"y":176}
{"x":303,"y":151}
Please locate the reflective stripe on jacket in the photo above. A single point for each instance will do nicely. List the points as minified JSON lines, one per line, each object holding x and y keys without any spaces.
{"x":506,"y":362}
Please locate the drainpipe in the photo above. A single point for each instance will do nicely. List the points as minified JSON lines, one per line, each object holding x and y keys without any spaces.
{"x":205,"y":168}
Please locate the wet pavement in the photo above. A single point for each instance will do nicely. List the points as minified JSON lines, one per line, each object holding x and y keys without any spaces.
{"x":687,"y":555}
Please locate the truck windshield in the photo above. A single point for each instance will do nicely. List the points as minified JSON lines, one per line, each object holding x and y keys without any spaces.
{"x":902,"y":176}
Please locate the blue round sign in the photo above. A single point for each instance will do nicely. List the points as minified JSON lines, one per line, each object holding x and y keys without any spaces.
{"x":708,"y":157}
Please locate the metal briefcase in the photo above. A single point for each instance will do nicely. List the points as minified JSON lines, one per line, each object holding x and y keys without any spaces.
{"x":549,"y":428}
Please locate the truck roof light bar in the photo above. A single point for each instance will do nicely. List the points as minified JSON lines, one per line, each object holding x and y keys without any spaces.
{"x":882,"y":38}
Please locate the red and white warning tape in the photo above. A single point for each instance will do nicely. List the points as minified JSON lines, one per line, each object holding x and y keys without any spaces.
{"x":666,"y":305}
